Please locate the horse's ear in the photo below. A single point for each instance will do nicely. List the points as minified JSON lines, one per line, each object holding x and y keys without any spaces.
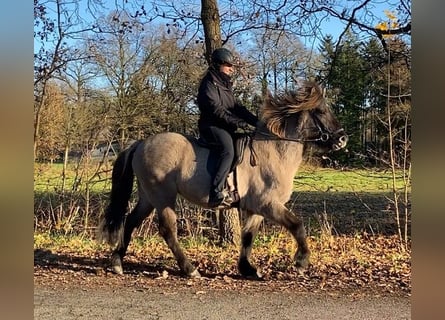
{"x":317,"y":91}
{"x":268,"y":96}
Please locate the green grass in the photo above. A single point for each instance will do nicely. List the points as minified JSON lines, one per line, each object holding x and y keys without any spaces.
{"x":48,"y":177}
{"x":357,"y":180}
{"x":54,"y":241}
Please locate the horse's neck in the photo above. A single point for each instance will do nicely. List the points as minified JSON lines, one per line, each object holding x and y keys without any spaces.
{"x":287,"y":155}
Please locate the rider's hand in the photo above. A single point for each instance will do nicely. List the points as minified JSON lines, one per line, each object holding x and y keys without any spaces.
{"x":243,"y":125}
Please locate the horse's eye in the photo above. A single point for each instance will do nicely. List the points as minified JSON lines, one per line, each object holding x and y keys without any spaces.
{"x":321,"y":110}
{"x":318,"y":111}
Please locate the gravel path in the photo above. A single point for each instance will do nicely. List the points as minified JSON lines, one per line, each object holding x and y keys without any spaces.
{"x":122,"y":303}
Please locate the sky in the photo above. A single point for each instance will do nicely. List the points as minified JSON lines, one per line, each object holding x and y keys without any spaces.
{"x":329,"y":26}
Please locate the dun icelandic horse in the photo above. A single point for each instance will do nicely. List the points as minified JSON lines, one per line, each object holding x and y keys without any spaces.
{"x":168,"y":164}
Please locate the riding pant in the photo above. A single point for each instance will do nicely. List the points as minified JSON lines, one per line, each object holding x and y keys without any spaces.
{"x":224,"y":142}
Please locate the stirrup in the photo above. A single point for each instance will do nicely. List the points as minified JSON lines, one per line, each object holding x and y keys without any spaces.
{"x":225,"y":202}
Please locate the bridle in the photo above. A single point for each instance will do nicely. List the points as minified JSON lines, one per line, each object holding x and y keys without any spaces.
{"x":324,"y":135}
{"x":258,"y":134}
{"x":255,"y":135}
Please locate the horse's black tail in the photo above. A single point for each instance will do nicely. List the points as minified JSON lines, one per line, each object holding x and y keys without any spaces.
{"x":121,"y":188}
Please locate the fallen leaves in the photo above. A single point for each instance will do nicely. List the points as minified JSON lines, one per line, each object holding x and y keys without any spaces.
{"x":343,"y":263}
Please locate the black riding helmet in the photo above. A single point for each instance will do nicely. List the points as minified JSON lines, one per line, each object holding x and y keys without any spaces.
{"x":222,"y":56}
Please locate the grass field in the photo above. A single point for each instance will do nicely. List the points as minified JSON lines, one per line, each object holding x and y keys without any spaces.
{"x":48,"y":177}
{"x":356,"y":180}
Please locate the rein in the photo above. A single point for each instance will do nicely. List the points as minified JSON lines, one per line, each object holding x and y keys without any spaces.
{"x":270,"y":136}
{"x":324,"y":136}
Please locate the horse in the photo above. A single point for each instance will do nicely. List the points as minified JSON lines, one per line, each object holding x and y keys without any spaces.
{"x":170,"y":164}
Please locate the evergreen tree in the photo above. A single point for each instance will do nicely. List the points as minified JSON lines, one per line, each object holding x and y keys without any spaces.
{"x":346,"y":79}
{"x":375,"y":60}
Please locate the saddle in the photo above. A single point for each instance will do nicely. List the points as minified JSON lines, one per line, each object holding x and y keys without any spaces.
{"x":240,"y":142}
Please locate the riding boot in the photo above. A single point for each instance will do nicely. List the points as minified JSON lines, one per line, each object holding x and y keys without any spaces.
{"x":219,"y":198}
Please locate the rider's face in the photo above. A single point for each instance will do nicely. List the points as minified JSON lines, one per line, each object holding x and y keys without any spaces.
{"x":227,"y":69}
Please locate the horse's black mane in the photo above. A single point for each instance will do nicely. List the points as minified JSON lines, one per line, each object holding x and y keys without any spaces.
{"x":280,"y":106}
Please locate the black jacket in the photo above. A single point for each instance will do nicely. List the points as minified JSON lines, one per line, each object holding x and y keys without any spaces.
{"x":218,"y":105}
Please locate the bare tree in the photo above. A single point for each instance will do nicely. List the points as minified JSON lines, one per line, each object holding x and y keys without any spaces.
{"x":83,"y":106}
{"x":280,"y":58}
{"x":55,"y":23}
{"x":398,"y":122}
{"x":304,"y":19}
{"x":52,"y":116}
{"x":119,"y":54}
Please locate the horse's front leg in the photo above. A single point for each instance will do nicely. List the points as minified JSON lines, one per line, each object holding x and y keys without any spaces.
{"x":168,"y":230}
{"x":294,"y":224}
{"x":249,"y":232}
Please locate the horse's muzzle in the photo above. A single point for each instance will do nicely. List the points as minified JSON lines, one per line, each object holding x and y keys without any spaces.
{"x":341,"y":142}
{"x":340,"y":139}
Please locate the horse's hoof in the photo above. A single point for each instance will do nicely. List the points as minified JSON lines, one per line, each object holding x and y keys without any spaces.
{"x":116,"y":264}
{"x":302,"y":264}
{"x":195,"y":274}
{"x":118,"y":270}
{"x":300,"y":271}
{"x":256,"y":276}
{"x":247,"y":270}
{"x":301,"y":261}
{"x":251,"y":273}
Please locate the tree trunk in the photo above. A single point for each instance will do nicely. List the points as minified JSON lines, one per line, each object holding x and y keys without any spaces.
{"x":229,"y":222}
{"x":229,"y":227}
{"x":211,"y":24}
{"x":37,"y":116}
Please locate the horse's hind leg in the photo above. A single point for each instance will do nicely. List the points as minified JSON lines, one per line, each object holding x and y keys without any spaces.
{"x":168,"y":230}
{"x":294,"y":224}
{"x":248,"y":235}
{"x":133,"y":220}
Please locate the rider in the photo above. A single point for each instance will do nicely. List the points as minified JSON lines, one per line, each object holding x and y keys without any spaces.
{"x":220,"y":116}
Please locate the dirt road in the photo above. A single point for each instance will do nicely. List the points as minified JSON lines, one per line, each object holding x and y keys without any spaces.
{"x":199,"y":302}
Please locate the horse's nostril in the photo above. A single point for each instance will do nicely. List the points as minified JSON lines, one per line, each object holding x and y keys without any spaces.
{"x":344,"y":139}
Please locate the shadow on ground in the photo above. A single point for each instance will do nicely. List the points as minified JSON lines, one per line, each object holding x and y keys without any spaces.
{"x":348,"y":213}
